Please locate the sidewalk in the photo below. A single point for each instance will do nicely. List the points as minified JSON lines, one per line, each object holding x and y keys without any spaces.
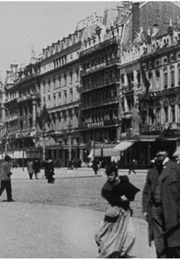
{"x":46,"y":231}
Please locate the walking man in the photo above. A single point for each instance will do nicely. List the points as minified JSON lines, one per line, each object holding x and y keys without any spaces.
{"x":161,"y":206}
{"x":95,"y":166}
{"x":30,"y":168}
{"x":49,"y":169}
{"x":131,"y":166}
{"x":5,"y":173}
{"x":37,"y":168}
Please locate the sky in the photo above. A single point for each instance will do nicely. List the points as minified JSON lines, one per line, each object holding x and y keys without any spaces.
{"x":28,"y":25}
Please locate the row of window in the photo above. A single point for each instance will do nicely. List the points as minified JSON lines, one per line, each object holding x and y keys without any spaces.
{"x":165,"y":114}
{"x":100,"y":115}
{"x":60,"y":80}
{"x":61,"y":45}
{"x":61,"y":98}
{"x":100,"y":59}
{"x":99,"y":96}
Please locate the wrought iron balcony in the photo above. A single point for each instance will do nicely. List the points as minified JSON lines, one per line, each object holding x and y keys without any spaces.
{"x":29,"y":97}
{"x":99,"y":103}
{"x":98,"y":67}
{"x":99,"y":84}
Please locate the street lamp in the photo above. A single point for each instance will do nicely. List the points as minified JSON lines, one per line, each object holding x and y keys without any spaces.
{"x":70,"y":142}
{"x":22,"y":138}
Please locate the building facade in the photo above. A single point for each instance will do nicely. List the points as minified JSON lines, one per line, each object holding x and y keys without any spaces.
{"x":21,"y":105}
{"x":149,"y":79}
{"x":100,"y":67}
{"x":114,"y":79}
{"x":60,"y":80}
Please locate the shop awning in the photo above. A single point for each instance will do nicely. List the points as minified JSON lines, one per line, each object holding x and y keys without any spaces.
{"x":108,"y":152}
{"x":19,"y":154}
{"x":123,"y":145}
{"x":103,"y":152}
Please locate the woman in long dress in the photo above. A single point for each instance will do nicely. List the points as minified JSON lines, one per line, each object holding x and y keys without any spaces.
{"x":116,"y":236}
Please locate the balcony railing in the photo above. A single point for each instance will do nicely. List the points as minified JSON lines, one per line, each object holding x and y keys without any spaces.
{"x":103,"y":102}
{"x":99,"y":84}
{"x":29,"y":97}
{"x":111,"y":122}
{"x":100,"y":66}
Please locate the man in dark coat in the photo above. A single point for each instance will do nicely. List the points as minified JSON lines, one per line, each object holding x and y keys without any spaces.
{"x":5,"y":173}
{"x":161,"y":206}
{"x":37,"y":168}
{"x":95,"y":166}
{"x":49,"y":171}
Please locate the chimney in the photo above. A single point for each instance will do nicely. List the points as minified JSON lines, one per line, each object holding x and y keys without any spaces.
{"x":135,"y":19}
{"x":14,"y":68}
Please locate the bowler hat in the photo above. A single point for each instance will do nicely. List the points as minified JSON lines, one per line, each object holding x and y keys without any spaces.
{"x":163,"y":153}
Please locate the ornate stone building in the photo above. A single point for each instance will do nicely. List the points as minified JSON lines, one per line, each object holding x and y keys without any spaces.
{"x":59,"y":81}
{"x":114,"y":79}
{"x":100,"y":65}
{"x":21,"y":105}
{"x":149,"y":80}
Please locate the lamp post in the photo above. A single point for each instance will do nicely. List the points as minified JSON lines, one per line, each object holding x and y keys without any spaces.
{"x":22,"y":137}
{"x":70,"y":142}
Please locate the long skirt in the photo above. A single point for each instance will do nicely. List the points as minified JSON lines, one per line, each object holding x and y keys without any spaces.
{"x":116,"y":236}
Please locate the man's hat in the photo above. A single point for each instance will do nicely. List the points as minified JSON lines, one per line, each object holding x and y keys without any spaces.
{"x":163,"y":153}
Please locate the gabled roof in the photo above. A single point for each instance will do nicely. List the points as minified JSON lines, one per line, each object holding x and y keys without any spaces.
{"x":154,"y":13}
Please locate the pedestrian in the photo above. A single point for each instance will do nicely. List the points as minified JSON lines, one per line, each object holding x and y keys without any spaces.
{"x":37,"y":168}
{"x":131,"y":166}
{"x":116,"y":236}
{"x":30,"y":169}
{"x":95,"y":166}
{"x":161,"y":205}
{"x":49,"y":169}
{"x":5,"y":173}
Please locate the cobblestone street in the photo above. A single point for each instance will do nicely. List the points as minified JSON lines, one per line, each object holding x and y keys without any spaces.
{"x":75,"y":188}
{"x":60,"y":219}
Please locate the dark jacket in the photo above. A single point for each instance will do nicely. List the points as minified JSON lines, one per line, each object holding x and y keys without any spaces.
{"x":49,"y":168}
{"x":5,"y":171}
{"x":170,"y":193}
{"x":125,"y":187}
{"x":36,"y":166}
{"x":112,"y":192}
